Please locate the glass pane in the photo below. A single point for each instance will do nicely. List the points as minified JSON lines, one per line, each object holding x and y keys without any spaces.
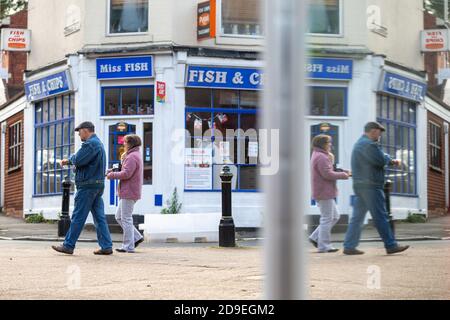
{"x":198,"y":98}
{"x":45,"y":111}
{"x":128,"y":16}
{"x":412,"y":113}
{"x":148,"y":153}
{"x":72,"y":106}
{"x":58,"y":187}
{"x":66,"y":135}
{"x":45,"y":180}
{"x":52,"y":110}
{"x":72,"y":132}
{"x":217,"y":182}
{"x":59,"y":113}
{"x":66,"y":153}
{"x":250,"y":99}
{"x":51,"y":136}
{"x":248,"y":178}
{"x":112,"y":101}
{"x":129,"y":100}
{"x":38,"y":132}
{"x":317,"y":102}
{"x":224,"y":122}
{"x":399,"y":110}
{"x":336,"y":102}
{"x":59,"y":135}
{"x":197,"y":123}
{"x":45,"y":137}
{"x":225,"y":99}
{"x":38,"y":182}
{"x":38,"y":114}
{"x":146,"y":98}
{"x":391,"y":108}
{"x":324,"y":17}
{"x":249,"y":121}
{"x":242,"y":17}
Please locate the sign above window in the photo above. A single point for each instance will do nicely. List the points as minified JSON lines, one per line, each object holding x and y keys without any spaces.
{"x":125,"y":68}
{"x":329,"y":69}
{"x":16,"y":39}
{"x":49,"y":86}
{"x":224,"y":78}
{"x":401,"y":86}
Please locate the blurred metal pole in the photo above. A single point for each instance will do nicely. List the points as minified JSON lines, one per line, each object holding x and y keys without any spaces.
{"x":284,"y":104}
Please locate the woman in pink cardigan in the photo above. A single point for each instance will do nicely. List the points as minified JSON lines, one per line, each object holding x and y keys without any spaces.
{"x":324,"y":191}
{"x":130,"y":186}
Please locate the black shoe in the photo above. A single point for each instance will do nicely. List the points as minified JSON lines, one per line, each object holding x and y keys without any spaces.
{"x":352,"y":252}
{"x":137,"y":243}
{"x":121,"y":250}
{"x":62,"y":249}
{"x":397,"y":249}
{"x":314,"y":243}
{"x":102,"y":252}
{"x":332,"y":250}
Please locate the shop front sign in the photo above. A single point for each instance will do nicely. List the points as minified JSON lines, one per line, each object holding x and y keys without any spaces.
{"x":125,"y":68}
{"x":403,"y":87}
{"x":48,"y":86}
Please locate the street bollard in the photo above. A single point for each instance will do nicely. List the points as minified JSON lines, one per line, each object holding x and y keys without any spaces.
{"x":226,"y":226}
{"x":64,"y":221}
{"x":387,"y":195}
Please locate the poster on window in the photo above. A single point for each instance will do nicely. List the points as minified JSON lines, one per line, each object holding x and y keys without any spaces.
{"x":160,"y":92}
{"x":198,"y":169}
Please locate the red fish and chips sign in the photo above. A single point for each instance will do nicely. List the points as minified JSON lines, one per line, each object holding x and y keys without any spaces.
{"x":16,"y":39}
{"x":160,"y":92}
{"x":435,"y":40}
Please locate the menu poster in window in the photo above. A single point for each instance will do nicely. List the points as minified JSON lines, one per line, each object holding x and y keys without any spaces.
{"x":198,"y":167}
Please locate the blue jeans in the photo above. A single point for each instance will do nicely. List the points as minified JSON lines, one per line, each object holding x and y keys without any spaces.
{"x":88,"y":199}
{"x":374,"y":201}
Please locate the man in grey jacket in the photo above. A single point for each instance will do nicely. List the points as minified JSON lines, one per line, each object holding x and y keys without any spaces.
{"x":368,"y":168}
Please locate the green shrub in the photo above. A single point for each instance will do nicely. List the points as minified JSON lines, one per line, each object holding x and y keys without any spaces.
{"x":35,"y":218}
{"x":416,"y":218}
{"x":173,"y":206}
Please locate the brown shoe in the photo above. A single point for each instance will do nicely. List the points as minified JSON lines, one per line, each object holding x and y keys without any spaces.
{"x":103,"y":252}
{"x":62,"y":249}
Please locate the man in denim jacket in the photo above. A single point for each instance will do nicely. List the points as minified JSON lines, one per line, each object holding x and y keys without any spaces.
{"x":368,"y":169}
{"x":90,"y":164}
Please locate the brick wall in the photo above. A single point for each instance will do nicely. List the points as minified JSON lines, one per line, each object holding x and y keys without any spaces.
{"x":436,"y":179}
{"x":13,"y":204}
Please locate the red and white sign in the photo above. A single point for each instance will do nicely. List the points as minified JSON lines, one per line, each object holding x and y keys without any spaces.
{"x":160,"y":92}
{"x":16,"y":39}
{"x":435,"y":40}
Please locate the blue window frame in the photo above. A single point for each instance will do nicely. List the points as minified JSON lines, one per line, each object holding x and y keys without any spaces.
{"x":328,"y":101}
{"x":54,"y":141}
{"x":399,"y":118}
{"x":209,"y":114}
{"x":127,"y":101}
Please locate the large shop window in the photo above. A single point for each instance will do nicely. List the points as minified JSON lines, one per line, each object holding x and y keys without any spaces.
{"x":222,"y":126}
{"x":324,"y":17}
{"x":242,"y":18}
{"x":399,"y":118}
{"x":435,"y":146}
{"x":327,"y":101}
{"x":127,"y":101}
{"x":15,"y":143}
{"x":128,"y":16}
{"x":54,"y":141}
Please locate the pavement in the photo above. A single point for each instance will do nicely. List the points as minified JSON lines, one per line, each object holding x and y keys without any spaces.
{"x":437,"y":228}
{"x":203,"y":271}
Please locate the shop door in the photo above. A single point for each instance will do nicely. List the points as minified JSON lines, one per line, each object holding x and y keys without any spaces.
{"x":332,"y":129}
{"x":116,"y":131}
